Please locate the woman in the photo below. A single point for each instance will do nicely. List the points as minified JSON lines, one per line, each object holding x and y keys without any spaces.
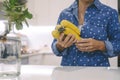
{"x":100,"y":32}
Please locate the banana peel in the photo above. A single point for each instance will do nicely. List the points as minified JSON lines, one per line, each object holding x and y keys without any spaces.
{"x":55,"y":34}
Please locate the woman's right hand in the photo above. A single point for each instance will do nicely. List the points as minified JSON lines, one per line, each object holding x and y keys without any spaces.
{"x":65,"y":41}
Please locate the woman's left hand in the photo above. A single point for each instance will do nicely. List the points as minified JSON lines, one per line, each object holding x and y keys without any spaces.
{"x":90,"y":45}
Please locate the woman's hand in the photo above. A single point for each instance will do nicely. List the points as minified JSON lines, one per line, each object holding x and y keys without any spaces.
{"x":65,"y":41}
{"x":90,"y":45}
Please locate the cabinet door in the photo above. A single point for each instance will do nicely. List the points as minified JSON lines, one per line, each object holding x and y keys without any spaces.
{"x":51,"y":59}
{"x":45,"y":59}
{"x":35,"y":60}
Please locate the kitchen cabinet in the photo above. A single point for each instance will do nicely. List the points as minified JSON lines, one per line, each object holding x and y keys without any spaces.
{"x":24,"y":60}
{"x":35,"y":60}
{"x":44,"y":59}
{"x":41,"y":59}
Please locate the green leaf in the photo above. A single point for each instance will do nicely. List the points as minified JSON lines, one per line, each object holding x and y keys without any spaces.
{"x":12,"y":2}
{"x":26,"y":23}
{"x":6,"y":4}
{"x":19,"y":26}
{"x":27,"y":14}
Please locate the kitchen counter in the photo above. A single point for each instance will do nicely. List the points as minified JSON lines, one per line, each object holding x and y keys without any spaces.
{"x":40,"y":58}
{"x":44,"y":56}
{"x":35,"y":54}
{"x":43,"y":51}
{"x":38,"y":72}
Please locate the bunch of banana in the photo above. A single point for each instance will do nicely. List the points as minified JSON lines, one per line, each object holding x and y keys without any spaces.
{"x":66,"y":27}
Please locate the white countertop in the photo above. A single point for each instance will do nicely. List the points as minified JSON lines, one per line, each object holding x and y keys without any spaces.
{"x":38,"y":72}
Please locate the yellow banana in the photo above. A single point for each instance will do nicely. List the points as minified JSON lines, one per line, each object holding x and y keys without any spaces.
{"x":67,"y":28}
{"x":68,"y":24}
{"x":55,"y":34}
{"x":66,"y":31}
{"x":58,"y":26}
{"x":70,"y":31}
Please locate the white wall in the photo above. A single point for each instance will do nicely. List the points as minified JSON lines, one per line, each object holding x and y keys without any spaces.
{"x":38,"y":36}
{"x":112,"y":3}
{"x":46,"y":12}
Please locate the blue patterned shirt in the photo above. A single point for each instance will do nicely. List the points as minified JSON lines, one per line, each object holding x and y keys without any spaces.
{"x":101,"y":23}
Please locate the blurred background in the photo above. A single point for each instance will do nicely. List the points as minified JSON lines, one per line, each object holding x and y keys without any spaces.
{"x":36,"y":39}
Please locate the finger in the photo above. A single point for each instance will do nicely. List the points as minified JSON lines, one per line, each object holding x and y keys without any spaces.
{"x":71,"y":41}
{"x":75,"y":41}
{"x":83,"y":44}
{"x":61,"y":37}
{"x":60,"y":42}
{"x":84,"y":40}
{"x":68,"y":37}
{"x":81,"y":48}
{"x":88,"y":49}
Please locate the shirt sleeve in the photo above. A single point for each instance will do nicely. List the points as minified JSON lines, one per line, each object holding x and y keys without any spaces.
{"x":56,"y":51}
{"x":113,"y":30}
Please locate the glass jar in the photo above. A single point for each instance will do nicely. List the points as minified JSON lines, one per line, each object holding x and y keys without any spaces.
{"x":10,"y":52}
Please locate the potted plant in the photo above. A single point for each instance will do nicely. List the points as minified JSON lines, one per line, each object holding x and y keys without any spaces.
{"x":10,"y":46}
{"x":16,"y":13}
